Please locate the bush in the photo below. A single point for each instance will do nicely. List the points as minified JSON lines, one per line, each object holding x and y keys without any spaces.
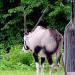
{"x":16,"y":59}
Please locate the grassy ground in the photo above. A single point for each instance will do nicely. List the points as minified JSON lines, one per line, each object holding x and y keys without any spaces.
{"x":19,"y":72}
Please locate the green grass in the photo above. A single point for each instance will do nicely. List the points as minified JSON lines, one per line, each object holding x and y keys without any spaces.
{"x":20,"y":72}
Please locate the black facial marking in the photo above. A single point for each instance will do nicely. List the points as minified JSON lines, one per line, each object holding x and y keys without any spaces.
{"x":26,"y":33}
{"x":27,"y":48}
{"x":37,"y":49}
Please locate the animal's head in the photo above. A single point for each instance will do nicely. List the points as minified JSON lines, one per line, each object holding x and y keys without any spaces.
{"x":25,"y":47}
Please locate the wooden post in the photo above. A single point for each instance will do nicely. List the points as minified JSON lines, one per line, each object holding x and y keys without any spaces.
{"x":73,"y":11}
{"x":69,"y":49}
{"x":69,"y":43}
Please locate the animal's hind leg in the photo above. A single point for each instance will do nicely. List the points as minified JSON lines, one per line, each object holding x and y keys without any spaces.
{"x":58,"y":57}
{"x":37,"y":63}
{"x":42,"y":65}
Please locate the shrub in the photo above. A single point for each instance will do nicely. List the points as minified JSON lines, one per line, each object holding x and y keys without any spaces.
{"x":16,"y":59}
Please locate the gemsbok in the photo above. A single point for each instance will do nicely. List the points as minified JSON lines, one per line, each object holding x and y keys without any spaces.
{"x":44,"y":43}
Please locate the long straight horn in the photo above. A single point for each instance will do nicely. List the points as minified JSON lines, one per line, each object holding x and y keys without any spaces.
{"x":25,"y":27}
{"x":73,"y":11}
{"x":40,"y":18}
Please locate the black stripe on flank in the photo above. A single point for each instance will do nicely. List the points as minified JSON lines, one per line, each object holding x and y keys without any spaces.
{"x":37,"y":49}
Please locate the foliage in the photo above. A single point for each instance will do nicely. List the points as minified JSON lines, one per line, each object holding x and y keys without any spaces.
{"x":1,"y":4}
{"x":16,"y":59}
{"x":59,"y":17}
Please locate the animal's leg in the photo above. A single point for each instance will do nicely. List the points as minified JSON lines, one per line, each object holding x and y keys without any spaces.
{"x":58,"y":57}
{"x":37,"y":63}
{"x":42,"y":65}
{"x":37,"y":68}
{"x":58,"y":69}
{"x":50,"y":61}
{"x":51,"y":69}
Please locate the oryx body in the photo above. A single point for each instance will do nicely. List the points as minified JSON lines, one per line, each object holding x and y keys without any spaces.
{"x":44,"y":42}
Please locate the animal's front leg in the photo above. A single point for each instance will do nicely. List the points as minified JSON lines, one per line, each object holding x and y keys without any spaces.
{"x":37,"y":63}
{"x":50,"y":61}
{"x":51,"y":69}
{"x":42,"y":65}
{"x":37,"y":68}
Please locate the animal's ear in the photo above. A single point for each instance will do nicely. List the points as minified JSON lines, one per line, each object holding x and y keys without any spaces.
{"x":26,"y":33}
